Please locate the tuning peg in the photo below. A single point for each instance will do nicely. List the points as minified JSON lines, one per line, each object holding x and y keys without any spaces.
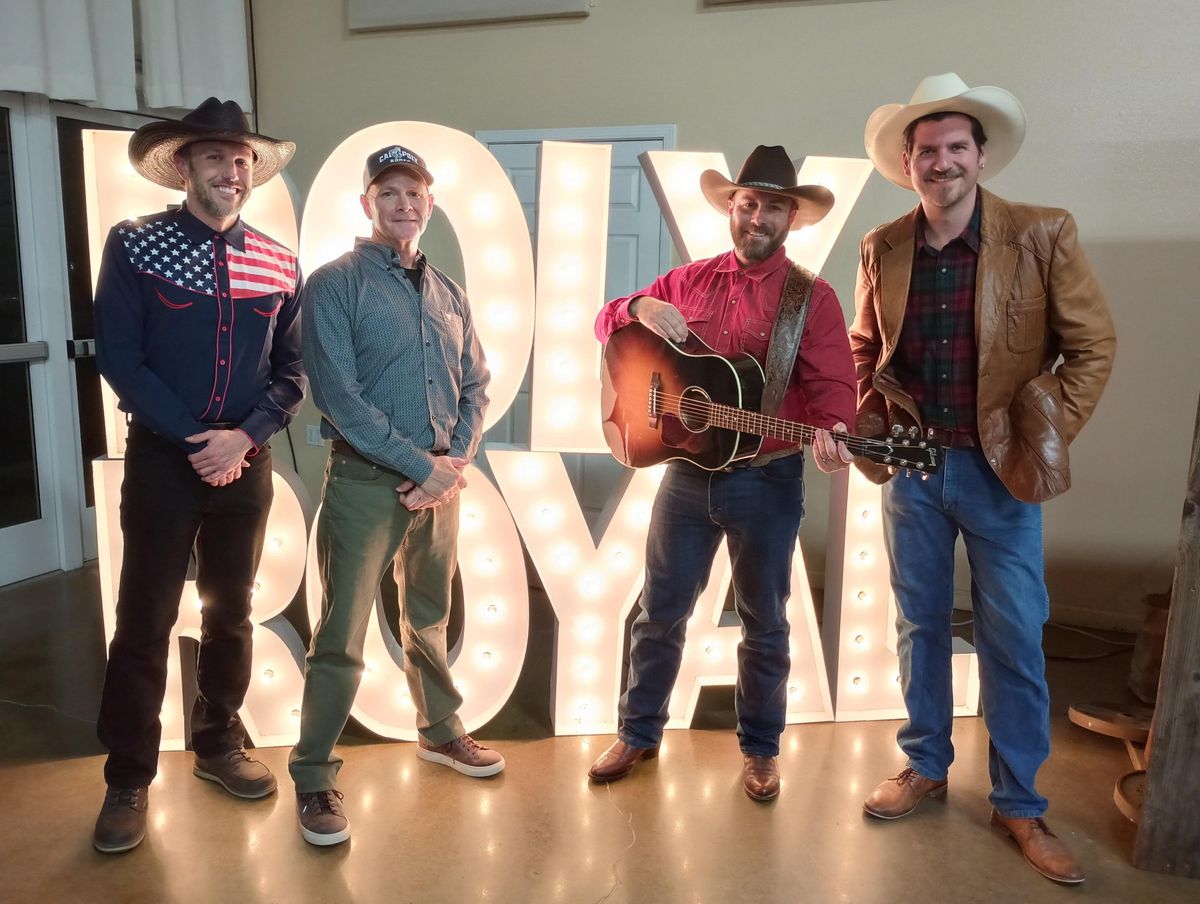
{"x":914,"y":432}
{"x":897,"y":429}
{"x":907,"y":472}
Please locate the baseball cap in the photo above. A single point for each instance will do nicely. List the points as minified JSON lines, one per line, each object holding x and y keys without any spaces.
{"x":394,"y":155}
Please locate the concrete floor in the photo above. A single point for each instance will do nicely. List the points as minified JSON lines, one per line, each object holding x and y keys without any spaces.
{"x":678,"y":830}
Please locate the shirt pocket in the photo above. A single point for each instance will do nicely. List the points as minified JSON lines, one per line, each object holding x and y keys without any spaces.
{"x":172,"y":305}
{"x":756,"y":336}
{"x":1026,"y":323}
{"x":447,"y":329}
{"x":267,"y":308}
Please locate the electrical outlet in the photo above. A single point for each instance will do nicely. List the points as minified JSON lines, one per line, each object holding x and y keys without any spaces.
{"x":312,"y":435}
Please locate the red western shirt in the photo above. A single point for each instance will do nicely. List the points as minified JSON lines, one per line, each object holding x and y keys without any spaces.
{"x":732,"y":308}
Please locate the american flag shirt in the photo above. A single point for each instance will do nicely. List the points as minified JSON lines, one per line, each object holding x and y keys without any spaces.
{"x":196,"y":327}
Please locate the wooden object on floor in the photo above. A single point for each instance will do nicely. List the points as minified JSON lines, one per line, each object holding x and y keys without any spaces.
{"x":1168,"y":838}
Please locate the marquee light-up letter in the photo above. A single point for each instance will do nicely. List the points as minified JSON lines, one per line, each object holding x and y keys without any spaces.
{"x":710,"y":655}
{"x":860,"y":633}
{"x":275,"y":684}
{"x":487,"y":660}
{"x":591,"y":587}
{"x":572,"y":249}
{"x":470,"y":187}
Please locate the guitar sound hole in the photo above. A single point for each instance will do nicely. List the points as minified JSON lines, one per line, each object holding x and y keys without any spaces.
{"x":694,"y":409}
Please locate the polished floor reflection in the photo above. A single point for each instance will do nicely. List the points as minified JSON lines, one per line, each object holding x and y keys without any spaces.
{"x":679,"y":829}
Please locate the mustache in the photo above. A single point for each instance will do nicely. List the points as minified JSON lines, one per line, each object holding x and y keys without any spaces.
{"x":955,"y":173}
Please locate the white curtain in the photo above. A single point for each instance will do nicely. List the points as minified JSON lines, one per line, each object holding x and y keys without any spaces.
{"x":77,"y":50}
{"x":193,"y":49}
{"x":86,"y":50}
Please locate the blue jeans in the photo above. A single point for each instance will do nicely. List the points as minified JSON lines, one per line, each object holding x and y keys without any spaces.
{"x":1003,"y":538}
{"x":758,"y":510}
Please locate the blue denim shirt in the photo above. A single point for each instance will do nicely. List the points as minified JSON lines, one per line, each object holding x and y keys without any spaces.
{"x":397,"y":373}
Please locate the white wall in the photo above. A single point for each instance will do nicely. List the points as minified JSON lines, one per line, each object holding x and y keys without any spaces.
{"x":1114,"y":125}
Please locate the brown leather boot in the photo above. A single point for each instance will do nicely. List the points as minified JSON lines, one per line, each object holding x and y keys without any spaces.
{"x":617,"y":762}
{"x":1043,"y":850}
{"x":760,"y":777}
{"x":899,"y":796}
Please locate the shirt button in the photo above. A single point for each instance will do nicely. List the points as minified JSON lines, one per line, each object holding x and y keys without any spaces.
{"x":224,"y":294}
{"x":943,"y":307}
{"x":225,"y":329}
{"x":733,"y":301}
{"x":222,"y":361}
{"x":218,"y":398}
{"x":944,"y":341}
{"x":943,"y":269}
{"x":220,"y":263}
{"x":427,"y":343}
{"x":430,"y":382}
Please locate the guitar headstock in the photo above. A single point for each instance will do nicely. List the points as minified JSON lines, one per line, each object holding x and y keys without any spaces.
{"x":903,"y":450}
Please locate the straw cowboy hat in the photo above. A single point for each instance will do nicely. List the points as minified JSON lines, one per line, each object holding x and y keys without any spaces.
{"x":998,"y":111}
{"x":152,"y":148}
{"x":769,"y":169}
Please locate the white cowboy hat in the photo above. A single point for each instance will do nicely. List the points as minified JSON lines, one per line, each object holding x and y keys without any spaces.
{"x":998,"y":111}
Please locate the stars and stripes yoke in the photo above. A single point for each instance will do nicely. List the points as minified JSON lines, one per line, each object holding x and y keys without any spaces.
{"x":196,"y":328}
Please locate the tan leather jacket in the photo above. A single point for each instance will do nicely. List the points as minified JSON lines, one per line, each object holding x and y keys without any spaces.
{"x":1037,"y":305}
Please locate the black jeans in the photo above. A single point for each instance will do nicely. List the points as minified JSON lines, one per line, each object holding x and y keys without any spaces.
{"x":166,"y":511}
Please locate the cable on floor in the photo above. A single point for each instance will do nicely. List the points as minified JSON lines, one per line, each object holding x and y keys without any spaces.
{"x":632,"y":841}
{"x":53,"y":709}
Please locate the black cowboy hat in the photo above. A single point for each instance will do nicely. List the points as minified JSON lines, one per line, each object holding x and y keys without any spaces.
{"x":769,"y":169}
{"x":152,"y":148}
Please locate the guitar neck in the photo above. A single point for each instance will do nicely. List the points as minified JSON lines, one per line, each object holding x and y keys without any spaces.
{"x":753,"y":422}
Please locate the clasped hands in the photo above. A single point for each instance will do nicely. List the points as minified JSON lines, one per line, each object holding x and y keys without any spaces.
{"x":440,"y":486}
{"x":223,"y":457}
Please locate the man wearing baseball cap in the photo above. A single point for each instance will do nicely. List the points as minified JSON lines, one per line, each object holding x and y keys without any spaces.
{"x":399,"y":376}
{"x":980,"y":321}
{"x":198,"y":333}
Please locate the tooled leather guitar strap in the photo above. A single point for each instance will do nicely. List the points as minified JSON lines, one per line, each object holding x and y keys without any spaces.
{"x":783,"y":348}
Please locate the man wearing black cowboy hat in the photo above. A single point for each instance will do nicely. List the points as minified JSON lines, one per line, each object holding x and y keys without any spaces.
{"x":981,"y":321}
{"x":198,"y":333}
{"x":735,"y":302}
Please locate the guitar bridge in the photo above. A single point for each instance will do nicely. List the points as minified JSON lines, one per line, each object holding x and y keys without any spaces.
{"x":655,"y":408}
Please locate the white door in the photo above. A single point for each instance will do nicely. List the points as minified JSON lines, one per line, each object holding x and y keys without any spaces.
{"x":29,"y":509}
{"x":639,"y":249}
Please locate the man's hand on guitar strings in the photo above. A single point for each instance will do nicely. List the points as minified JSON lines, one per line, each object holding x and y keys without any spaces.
{"x":660,"y":317}
{"x":829,"y":454}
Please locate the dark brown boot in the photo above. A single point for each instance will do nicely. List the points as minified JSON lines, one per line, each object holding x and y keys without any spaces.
{"x":617,"y":762}
{"x":121,"y":825}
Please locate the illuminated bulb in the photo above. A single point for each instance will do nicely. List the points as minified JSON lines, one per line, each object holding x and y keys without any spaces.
{"x":793,"y":690}
{"x":803,"y":236}
{"x":864,"y":555}
{"x":860,"y":639}
{"x":498,"y":259}
{"x":565,"y":367}
{"x":570,"y":219}
{"x":567,"y":316}
{"x":547,"y":516}
{"x":712,"y":650}
{"x":351,"y":210}
{"x":370,"y":667}
{"x":639,"y":513}
{"x":619,"y":557}
{"x":564,"y":556}
{"x":501,"y":315}
{"x":564,"y":412}
{"x":865,"y":514}
{"x":268,"y":675}
{"x":277,"y":542}
{"x":684,"y":180}
{"x":569,"y":271}
{"x":591,"y":585}
{"x":487,"y":562}
{"x":702,"y":222}
{"x":530,"y":471}
{"x":863,"y":596}
{"x":496,"y":363}
{"x":403,"y":698}
{"x":825,"y":179}
{"x":257,"y":586}
{"x":445,"y":173}
{"x":572,"y":176}
{"x":486,"y":658}
{"x":586,"y":668}
{"x":295,"y":714}
{"x":588,"y":627}
{"x":858,"y":682}
{"x":484,"y":207}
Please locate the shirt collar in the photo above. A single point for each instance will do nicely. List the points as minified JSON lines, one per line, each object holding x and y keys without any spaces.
{"x":757,"y":271}
{"x":384,"y":255}
{"x":970,"y":235}
{"x":197,"y":231}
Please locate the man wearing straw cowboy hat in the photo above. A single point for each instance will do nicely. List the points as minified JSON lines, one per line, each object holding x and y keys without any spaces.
{"x":198,"y":333}
{"x":980,"y":321}
{"x":749,"y":300}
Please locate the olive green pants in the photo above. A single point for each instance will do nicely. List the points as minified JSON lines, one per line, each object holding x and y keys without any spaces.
{"x":361,"y":530}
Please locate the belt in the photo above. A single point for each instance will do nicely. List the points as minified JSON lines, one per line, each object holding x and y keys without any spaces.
{"x":344,"y":448}
{"x":951,"y":439}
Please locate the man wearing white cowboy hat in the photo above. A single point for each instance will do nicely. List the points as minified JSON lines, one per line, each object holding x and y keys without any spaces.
{"x":198,"y":333}
{"x":978,"y":320}
{"x":742,"y":301}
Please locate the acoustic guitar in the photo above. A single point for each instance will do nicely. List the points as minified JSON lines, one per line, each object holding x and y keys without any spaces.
{"x":663,"y":402}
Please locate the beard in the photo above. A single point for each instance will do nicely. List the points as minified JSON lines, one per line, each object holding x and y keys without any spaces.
{"x":756,"y":246}
{"x":213,"y":202}
{"x":946,"y":189}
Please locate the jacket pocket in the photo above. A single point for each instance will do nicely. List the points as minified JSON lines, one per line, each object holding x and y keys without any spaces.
{"x":1042,"y":469}
{"x":1026,"y":323}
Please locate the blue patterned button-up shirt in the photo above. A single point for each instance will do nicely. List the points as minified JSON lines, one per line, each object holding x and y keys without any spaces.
{"x":398,"y":373}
